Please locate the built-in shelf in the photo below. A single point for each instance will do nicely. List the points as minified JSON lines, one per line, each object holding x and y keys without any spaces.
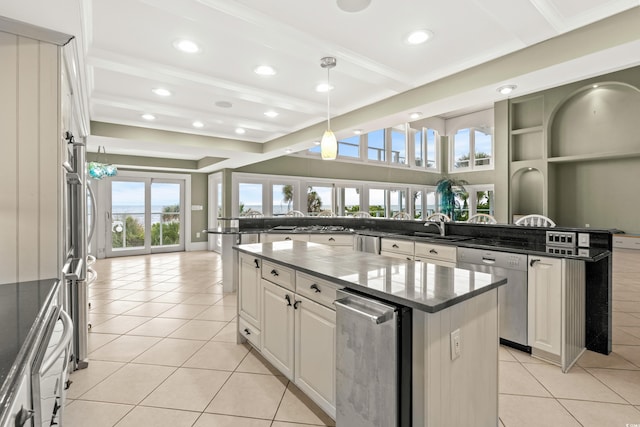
{"x":531,"y":129}
{"x":594,"y":157}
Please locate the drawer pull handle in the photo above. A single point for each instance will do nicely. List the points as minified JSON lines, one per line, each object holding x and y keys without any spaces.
{"x":409,"y":259}
{"x":296,"y":304}
{"x":433,"y":251}
{"x":533,"y":262}
{"x":247,"y":331}
{"x":395,"y":246}
{"x":331,"y":239}
{"x":23,"y":416}
{"x":315,"y":288}
{"x":288,"y":298}
{"x":287,"y":238}
{"x":257,"y":263}
{"x":274,"y":272}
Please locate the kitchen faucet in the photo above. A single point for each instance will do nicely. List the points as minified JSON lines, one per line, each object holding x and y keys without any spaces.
{"x":439,"y":225}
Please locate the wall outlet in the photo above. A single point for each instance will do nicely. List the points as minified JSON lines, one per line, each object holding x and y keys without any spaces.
{"x":456,"y":345}
{"x":197,"y":235}
{"x":583,"y":240}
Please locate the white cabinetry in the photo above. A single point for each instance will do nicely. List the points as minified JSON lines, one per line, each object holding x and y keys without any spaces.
{"x":19,"y":414}
{"x":277,"y":327}
{"x":249,"y":303}
{"x":279,"y":237}
{"x":444,"y":255}
{"x":337,"y":241}
{"x":556,"y":309}
{"x":402,"y":249}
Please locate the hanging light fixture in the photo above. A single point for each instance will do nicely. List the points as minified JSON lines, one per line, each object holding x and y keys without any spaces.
{"x":98,"y":170}
{"x":328,"y":144}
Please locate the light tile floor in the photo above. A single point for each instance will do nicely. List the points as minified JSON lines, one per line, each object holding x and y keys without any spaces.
{"x":163,"y":353}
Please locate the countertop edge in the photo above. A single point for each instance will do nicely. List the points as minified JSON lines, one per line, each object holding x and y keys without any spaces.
{"x":377,"y":293}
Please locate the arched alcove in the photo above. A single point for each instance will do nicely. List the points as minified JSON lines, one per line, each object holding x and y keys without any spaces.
{"x":527,"y":192}
{"x":600,"y":119}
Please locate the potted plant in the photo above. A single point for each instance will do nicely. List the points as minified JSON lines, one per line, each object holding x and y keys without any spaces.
{"x":445,"y":189}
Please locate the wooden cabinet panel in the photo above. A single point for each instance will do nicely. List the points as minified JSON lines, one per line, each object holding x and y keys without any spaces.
{"x":249,"y":294}
{"x":277,"y":327}
{"x":397,"y":246}
{"x":279,"y":275}
{"x":545,"y":304}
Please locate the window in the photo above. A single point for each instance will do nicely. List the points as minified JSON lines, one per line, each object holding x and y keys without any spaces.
{"x":430,"y":203}
{"x":282,"y":198}
{"x":397,"y":201}
{"x":472,"y":149}
{"x":418,"y":143}
{"x":431,"y":138}
{"x":484,"y":202}
{"x":376,"y":145}
{"x":377,"y":202}
{"x":319,"y":199}
{"x":349,"y":147}
{"x":349,"y":200}
{"x":477,"y":199}
{"x":398,"y":146}
{"x":249,"y":197}
{"x":461,"y":209}
{"x":418,"y":208}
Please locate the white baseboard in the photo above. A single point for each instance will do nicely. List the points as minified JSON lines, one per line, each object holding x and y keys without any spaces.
{"x":197,"y":246}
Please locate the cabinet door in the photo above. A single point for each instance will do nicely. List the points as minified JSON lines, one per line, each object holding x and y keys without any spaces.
{"x":277,"y":327}
{"x":249,"y":288}
{"x":545,"y":304}
{"x":315,"y":343}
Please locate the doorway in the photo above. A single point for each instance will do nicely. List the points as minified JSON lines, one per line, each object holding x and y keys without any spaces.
{"x":145,"y":215}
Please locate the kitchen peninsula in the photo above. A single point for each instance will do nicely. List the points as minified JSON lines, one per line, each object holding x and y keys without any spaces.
{"x":287,"y":290}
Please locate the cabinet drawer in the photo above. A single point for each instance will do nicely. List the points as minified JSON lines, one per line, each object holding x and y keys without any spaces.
{"x":332,"y":239}
{"x":397,"y":255}
{"x":279,"y":237}
{"x":626,"y":242}
{"x":398,"y":246}
{"x":250,"y":332}
{"x":318,"y":290}
{"x":441,"y":252}
{"x":279,"y":275}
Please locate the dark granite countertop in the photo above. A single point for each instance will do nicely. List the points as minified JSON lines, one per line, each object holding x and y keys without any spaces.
{"x":22,"y":309}
{"x":420,"y":285}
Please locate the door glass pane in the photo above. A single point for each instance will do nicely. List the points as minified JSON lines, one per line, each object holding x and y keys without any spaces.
{"x":165,"y":214}
{"x":375,"y":144}
{"x":351,"y":200}
{"x":417,"y":204}
{"x":431,"y":203}
{"x":483,"y":148}
{"x":282,"y":196}
{"x":319,"y":199}
{"x":461,"y":210}
{"x":461,"y":147}
{"x":398,"y":146}
{"x":377,"y":202}
{"x":127,"y":214}
{"x":250,"y":198}
{"x":484,"y":202}
{"x":398,"y":200}
{"x":349,"y":147}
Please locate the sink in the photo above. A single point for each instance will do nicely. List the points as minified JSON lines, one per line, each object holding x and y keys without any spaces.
{"x":436,"y":237}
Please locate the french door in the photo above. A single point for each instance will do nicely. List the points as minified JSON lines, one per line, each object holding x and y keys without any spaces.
{"x":146,"y":216}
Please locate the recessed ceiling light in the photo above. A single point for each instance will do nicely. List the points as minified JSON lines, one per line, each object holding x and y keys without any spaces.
{"x":240,"y":131}
{"x":506,"y":89}
{"x":353,"y":5}
{"x":415,"y":115}
{"x":187,"y":46}
{"x":288,"y":150}
{"x":316,"y":142}
{"x":198,"y":124}
{"x":223,"y":104}
{"x":160,"y":91}
{"x":594,"y":86}
{"x":264,"y":70}
{"x":148,"y":116}
{"x":357,"y":131}
{"x":324,"y":87}
{"x":271,"y":114}
{"x":418,"y":37}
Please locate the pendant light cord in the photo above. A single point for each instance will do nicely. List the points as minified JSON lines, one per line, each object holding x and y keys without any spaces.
{"x":328,"y":99}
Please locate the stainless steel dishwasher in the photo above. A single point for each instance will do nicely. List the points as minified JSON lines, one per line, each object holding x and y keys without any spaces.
{"x":366,"y":243}
{"x":373,"y":362}
{"x":512,"y":298}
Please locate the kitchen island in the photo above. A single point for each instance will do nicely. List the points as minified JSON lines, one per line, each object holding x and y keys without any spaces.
{"x":454,"y":334}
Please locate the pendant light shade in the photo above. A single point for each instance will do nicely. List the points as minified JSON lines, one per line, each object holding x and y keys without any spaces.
{"x":328,"y":144}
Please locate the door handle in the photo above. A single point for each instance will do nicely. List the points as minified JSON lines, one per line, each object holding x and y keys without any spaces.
{"x":247,"y":331}
{"x":288,"y":299}
{"x":533,"y":262}
{"x":296,"y":304}
{"x":331,"y":239}
{"x":287,"y":238}
{"x":395,"y":246}
{"x":257,"y":263}
{"x":274,"y":272}
{"x":433,"y":251}
{"x":315,"y":288}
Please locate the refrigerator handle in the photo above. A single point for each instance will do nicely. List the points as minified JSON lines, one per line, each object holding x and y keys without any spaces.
{"x":375,"y":317}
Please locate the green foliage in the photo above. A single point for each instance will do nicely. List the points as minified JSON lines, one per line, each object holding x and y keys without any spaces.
{"x":447,"y":189}
{"x":134,"y":234}
{"x":314,"y":202}
{"x":376,"y":211}
{"x":287,"y":195}
{"x":168,"y":228}
{"x":352,"y":209}
{"x":170,"y":233}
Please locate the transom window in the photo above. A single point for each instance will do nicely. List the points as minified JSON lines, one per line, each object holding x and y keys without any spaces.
{"x":472,"y":149}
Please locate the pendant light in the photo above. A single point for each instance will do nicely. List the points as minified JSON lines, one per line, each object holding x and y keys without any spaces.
{"x":328,"y":144}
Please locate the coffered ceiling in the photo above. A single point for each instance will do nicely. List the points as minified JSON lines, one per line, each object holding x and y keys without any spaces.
{"x":129,"y":50}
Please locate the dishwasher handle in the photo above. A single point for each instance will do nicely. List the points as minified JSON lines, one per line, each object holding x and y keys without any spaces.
{"x":375,"y":316}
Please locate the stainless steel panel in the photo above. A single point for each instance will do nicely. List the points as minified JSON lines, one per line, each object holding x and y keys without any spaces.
{"x":366,"y":363}
{"x":369,"y":244}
